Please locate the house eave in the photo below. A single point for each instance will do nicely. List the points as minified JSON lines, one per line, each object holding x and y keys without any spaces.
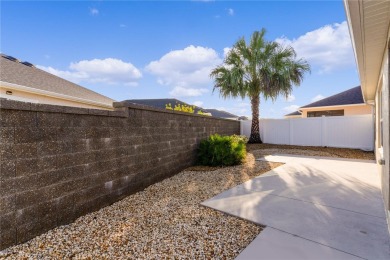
{"x":16,"y":87}
{"x":369,"y":44}
{"x":349,"y":105}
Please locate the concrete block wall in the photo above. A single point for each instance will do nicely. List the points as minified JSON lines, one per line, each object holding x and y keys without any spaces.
{"x":58,"y":163}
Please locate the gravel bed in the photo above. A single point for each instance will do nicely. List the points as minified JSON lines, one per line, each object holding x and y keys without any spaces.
{"x":165,"y":220}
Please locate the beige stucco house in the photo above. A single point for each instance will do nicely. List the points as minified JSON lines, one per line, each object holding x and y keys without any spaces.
{"x":346,"y":103}
{"x":22,"y":81}
{"x":369,"y":24}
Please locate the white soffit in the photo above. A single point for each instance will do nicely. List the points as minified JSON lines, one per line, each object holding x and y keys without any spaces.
{"x":368,"y":22}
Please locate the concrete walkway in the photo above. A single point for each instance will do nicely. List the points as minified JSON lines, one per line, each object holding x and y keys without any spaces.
{"x":314,"y":208}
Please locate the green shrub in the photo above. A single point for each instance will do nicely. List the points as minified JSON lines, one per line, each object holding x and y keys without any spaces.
{"x":221,"y":151}
{"x":242,"y":138}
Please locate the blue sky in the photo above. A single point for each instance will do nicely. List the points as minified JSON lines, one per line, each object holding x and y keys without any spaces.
{"x":163,"y":49}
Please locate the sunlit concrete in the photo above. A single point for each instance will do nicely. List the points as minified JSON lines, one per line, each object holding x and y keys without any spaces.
{"x":276,"y":244}
{"x":336,"y":203}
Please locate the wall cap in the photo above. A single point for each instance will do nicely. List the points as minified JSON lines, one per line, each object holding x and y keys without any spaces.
{"x":129,"y":104}
{"x":40,"y":107}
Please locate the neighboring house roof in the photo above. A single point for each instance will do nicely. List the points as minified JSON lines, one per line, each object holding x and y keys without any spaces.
{"x":220,"y":113}
{"x":351,"y":96}
{"x":27,"y":75}
{"x":160,"y":103}
{"x":243,"y":118}
{"x":296,"y":113}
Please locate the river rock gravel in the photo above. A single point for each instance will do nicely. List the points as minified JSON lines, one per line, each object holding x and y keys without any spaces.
{"x":164,"y":221}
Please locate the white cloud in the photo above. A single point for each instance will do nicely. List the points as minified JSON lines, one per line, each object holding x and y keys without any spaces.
{"x":231,"y":11}
{"x":226,"y":50}
{"x":198,"y":103}
{"x":93,"y":11}
{"x":186,"y":70}
{"x":109,"y":71}
{"x":328,"y":47}
{"x":187,"y":92}
{"x":217,"y":16}
{"x":122,"y":25}
{"x":291,"y":108}
{"x":317,"y":98}
{"x":290,"y":98}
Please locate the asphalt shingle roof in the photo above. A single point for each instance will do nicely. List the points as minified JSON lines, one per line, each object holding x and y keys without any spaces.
{"x":160,"y":103}
{"x":296,"y":113}
{"x":349,"y":97}
{"x":18,"y":73}
{"x":220,"y":113}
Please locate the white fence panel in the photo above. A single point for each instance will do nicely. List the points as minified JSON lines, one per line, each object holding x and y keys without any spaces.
{"x":275,"y":131}
{"x":246,"y":127}
{"x":306,"y":131}
{"x":350,"y":132}
{"x":341,"y":131}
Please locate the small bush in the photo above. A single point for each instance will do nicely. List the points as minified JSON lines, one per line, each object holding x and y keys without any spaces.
{"x":238,"y":138}
{"x":221,"y":151}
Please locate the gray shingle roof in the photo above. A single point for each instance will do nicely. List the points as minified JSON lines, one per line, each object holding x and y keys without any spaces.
{"x":296,"y":113}
{"x":349,"y":97}
{"x":18,"y":73}
{"x":220,"y":113}
{"x":160,"y":103}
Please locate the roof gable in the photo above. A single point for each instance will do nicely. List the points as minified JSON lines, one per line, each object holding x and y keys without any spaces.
{"x":349,"y":97}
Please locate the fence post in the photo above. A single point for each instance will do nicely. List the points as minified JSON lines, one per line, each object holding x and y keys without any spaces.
{"x":323,"y":131}
{"x":290,"y":137}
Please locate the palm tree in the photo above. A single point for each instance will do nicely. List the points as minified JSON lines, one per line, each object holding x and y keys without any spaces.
{"x":255,"y":68}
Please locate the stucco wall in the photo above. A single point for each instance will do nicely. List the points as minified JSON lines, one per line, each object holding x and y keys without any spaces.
{"x":58,"y":163}
{"x":386,"y":138}
{"x":348,"y":110}
{"x":35,"y":98}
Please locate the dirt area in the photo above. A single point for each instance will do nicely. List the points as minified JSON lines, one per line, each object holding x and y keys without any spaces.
{"x":166,"y":220}
{"x":264,"y":149}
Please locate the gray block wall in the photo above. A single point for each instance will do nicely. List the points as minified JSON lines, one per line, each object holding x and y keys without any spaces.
{"x":58,"y":163}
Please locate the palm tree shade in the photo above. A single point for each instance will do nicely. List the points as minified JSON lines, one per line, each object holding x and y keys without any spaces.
{"x":256,"y":68}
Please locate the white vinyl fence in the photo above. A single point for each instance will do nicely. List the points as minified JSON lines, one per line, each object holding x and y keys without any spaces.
{"x":337,"y":131}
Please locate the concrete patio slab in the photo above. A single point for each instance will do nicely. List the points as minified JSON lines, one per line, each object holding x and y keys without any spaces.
{"x":275,"y":244}
{"x":332,"y":202}
{"x":313,"y":185}
{"x":352,"y":170}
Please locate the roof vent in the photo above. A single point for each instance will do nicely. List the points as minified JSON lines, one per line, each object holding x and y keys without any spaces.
{"x":10,"y":58}
{"x":28,"y":64}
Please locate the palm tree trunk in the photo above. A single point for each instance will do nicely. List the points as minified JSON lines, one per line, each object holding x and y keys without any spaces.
{"x":255,"y":131}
